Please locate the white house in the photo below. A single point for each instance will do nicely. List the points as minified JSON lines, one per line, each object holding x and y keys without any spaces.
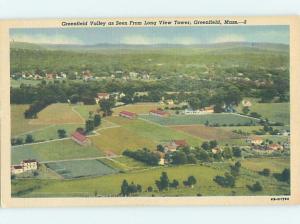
{"x":17,"y":169}
{"x":30,"y":164}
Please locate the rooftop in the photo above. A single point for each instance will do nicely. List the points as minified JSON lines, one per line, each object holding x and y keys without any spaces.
{"x":78,"y":136}
{"x":160,"y":112}
{"x":128,"y":113}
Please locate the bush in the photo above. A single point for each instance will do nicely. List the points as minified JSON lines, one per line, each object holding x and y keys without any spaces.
{"x":236,"y":151}
{"x":255,"y":187}
{"x":226,"y":181}
{"x":150,"y":189}
{"x":29,"y":139}
{"x":265,"y":172}
{"x":284,"y":176}
{"x":143,"y":155}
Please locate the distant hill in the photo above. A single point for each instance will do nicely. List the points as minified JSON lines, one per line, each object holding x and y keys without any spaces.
{"x":107,"y":46}
{"x":25,"y":45}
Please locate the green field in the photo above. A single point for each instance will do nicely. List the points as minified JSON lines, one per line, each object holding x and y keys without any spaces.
{"x":81,"y":168}
{"x":110,"y":185}
{"x":55,"y":150}
{"x":276,"y":112}
{"x":139,"y":108}
{"x":17,"y":83}
{"x":274,"y":164}
{"x":118,"y":139}
{"x":50,"y":132}
{"x":220,"y":119}
{"x":84,"y":110}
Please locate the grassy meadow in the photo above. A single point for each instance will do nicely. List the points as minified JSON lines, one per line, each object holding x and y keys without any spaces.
{"x":276,"y":112}
{"x":228,"y":119}
{"x":54,"y":150}
{"x":81,"y":168}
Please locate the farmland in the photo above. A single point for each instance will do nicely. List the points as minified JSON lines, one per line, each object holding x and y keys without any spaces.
{"x":50,"y":132}
{"x":274,"y":164}
{"x":141,"y":108}
{"x":50,"y":116}
{"x":110,"y":184}
{"x":154,"y":131}
{"x":119,"y":139}
{"x":276,"y":112}
{"x":209,"y":133}
{"x":55,"y":150}
{"x":19,"y":123}
{"x":81,"y":168}
{"x":221,"y":119}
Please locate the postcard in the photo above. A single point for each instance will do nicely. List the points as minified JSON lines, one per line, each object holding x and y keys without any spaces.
{"x":150,"y":111}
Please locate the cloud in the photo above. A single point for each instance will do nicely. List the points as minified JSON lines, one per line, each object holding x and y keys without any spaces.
{"x":229,"y":38}
{"x":145,"y":40}
{"x":139,"y":40}
{"x":186,"y":40}
{"x":43,"y":39}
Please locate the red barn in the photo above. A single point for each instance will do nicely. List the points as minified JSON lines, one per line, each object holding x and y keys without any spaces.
{"x":80,"y":138}
{"x":159,"y":113}
{"x":128,"y":114}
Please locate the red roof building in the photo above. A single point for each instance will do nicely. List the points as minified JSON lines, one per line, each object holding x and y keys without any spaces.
{"x":80,"y":138}
{"x":128,"y":114}
{"x":159,"y":113}
{"x":180,"y":143}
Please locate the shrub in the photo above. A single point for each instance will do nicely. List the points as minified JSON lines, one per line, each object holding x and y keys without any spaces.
{"x":255,"y":187}
{"x":265,"y":172}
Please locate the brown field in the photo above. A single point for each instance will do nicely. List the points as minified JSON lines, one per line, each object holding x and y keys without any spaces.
{"x":209,"y":133}
{"x":139,"y":108}
{"x":58,"y":113}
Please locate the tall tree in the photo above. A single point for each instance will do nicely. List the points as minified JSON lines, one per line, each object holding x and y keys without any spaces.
{"x":89,"y":125}
{"x":124,"y":188}
{"x":97,"y":120}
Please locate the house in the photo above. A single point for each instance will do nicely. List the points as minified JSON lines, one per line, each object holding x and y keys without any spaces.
{"x":170,"y":102}
{"x":37,"y":77}
{"x":103,"y":96}
{"x":170,"y":148}
{"x":30,"y":164}
{"x":255,"y":140}
{"x":274,"y":147}
{"x":209,"y":109}
{"x":216,"y":150}
{"x":179,"y":143}
{"x":174,"y":144}
{"x":87,"y":75}
{"x":192,"y":112}
{"x":286,"y":145}
{"x":246,"y":103}
{"x":117,"y":95}
{"x":49,"y":76}
{"x":133,"y":75}
{"x":17,"y":169}
{"x":128,"y":114}
{"x":159,"y":113}
{"x":80,"y":138}
{"x":161,"y":158}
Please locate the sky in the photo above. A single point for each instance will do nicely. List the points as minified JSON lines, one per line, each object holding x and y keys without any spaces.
{"x":153,"y":35}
